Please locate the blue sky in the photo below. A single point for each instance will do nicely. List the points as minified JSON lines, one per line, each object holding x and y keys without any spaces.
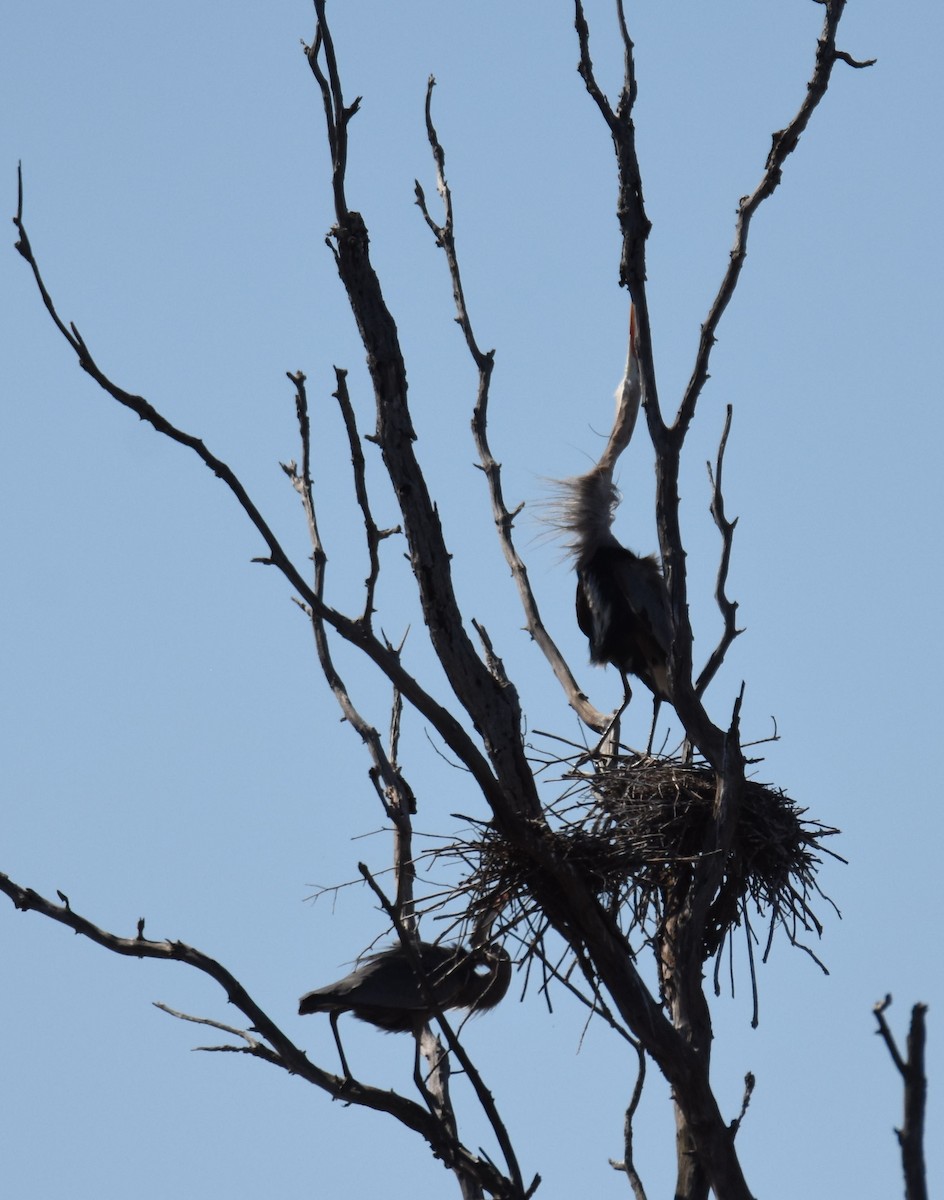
{"x":169,"y":748}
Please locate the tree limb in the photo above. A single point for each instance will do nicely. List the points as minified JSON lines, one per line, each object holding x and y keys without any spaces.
{"x":504,"y":519}
{"x":482,"y":1093}
{"x":353,"y":631}
{"x":281,"y":1050}
{"x":728,"y":607}
{"x":911,"y":1068}
{"x":784,"y":142}
{"x":495,"y":710}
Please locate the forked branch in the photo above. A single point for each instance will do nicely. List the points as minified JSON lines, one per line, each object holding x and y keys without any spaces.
{"x":395,"y":792}
{"x":494,"y":708}
{"x":355,"y":631}
{"x":503,"y":518}
{"x":726,"y":528}
{"x":630,"y":205}
{"x":280,"y":1050}
{"x":911,"y":1068}
{"x":483,"y":1095}
{"x":784,"y":142}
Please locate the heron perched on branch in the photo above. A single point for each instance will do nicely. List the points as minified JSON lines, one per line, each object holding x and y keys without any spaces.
{"x":389,"y":992}
{"x":622,"y":602}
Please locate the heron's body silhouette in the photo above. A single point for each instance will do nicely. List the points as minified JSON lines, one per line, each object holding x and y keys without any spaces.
{"x":622,"y":601}
{"x":386,"y":990}
{"x":622,"y":609}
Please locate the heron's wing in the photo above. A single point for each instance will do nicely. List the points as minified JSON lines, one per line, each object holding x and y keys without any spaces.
{"x":385,"y":980}
{"x":644,"y":588}
{"x":623,"y":608}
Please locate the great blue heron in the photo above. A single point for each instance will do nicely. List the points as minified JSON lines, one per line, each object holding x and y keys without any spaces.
{"x":622,"y":601}
{"x":386,"y":990}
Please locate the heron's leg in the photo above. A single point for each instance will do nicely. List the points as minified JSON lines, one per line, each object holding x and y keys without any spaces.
{"x":610,"y":741}
{"x":656,"y":703}
{"x":333,"y":1017}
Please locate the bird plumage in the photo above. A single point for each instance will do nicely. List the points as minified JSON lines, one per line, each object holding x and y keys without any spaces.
{"x":622,"y":602}
{"x":623,"y":611}
{"x":386,"y":991}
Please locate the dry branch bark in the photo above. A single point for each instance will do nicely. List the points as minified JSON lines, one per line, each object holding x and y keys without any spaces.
{"x":911,"y":1068}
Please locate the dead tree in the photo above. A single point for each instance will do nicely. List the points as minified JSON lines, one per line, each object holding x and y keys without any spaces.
{"x":640,"y":852}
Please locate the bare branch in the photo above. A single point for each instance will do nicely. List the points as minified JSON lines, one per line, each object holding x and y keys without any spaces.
{"x":401,"y":805}
{"x":374,"y":535}
{"x":858,"y":63}
{"x":494,"y":710}
{"x":911,"y":1135}
{"x":785,"y":141}
{"x":887,"y":1036}
{"x":395,"y":792}
{"x":630,"y":206}
{"x":337,"y":116}
{"x":728,"y":607}
{"x":253,"y":1046}
{"x":627,"y":1166}
{"x":283,"y":1053}
{"x":749,"y":1083}
{"x":482,"y":1093}
{"x":353,"y":631}
{"x":503,"y":518}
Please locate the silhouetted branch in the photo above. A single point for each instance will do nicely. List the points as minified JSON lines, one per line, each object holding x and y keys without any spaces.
{"x":353,"y":631}
{"x":503,"y":518}
{"x":911,"y":1068}
{"x":628,"y":1166}
{"x":281,"y":1050}
{"x":785,"y":141}
{"x":395,"y":792}
{"x":374,"y":535}
{"x":494,"y":710}
{"x":337,"y":116}
{"x":728,"y":607}
{"x":749,"y":1083}
{"x":482,"y":1093}
{"x":630,"y":206}
{"x":253,"y":1045}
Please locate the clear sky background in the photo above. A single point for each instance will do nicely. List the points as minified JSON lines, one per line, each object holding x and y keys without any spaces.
{"x":169,"y":748}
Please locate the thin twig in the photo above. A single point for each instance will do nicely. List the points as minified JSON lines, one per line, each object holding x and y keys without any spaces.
{"x":253,"y":1045}
{"x":374,"y":535}
{"x":726,"y":528}
{"x":628,"y":1166}
{"x":395,"y":792}
{"x":484,"y":1096}
{"x":749,"y":1083}
{"x":784,"y":142}
{"x":503,"y":518}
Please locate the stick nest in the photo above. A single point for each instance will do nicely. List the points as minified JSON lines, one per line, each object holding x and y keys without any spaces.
{"x":637,"y":832}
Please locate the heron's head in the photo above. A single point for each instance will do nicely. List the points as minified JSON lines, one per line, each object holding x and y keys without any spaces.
{"x":489,"y":978}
